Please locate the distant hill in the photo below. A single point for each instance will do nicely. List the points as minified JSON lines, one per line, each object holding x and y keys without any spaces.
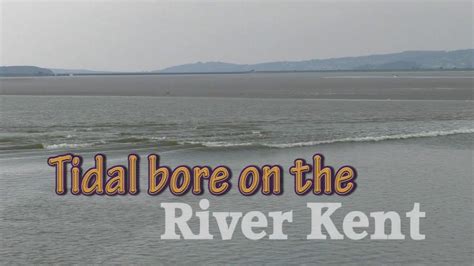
{"x":23,"y":71}
{"x":409,"y":60}
{"x":207,"y":67}
{"x":60,"y":71}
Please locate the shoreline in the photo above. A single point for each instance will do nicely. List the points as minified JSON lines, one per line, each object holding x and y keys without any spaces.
{"x":388,"y":71}
{"x":239,"y":98}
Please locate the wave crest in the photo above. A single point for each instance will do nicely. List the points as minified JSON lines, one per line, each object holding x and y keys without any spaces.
{"x":67,"y":145}
{"x":424,"y":134}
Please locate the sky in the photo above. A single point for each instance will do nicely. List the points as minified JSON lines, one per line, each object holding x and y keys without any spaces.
{"x":151,"y":35}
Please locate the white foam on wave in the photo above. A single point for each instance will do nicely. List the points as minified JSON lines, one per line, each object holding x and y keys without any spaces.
{"x":224,"y":144}
{"x":424,"y":134}
{"x":217,"y":143}
{"x":66,"y":145}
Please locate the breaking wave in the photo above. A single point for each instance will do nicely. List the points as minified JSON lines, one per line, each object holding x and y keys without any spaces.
{"x":216,"y":144}
{"x":424,"y":134}
{"x":161,"y":142}
{"x":66,"y":145}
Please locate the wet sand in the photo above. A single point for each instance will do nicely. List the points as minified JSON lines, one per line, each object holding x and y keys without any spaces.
{"x":361,"y":85}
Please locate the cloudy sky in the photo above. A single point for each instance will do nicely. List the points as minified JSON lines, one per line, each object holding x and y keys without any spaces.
{"x":149,"y":35}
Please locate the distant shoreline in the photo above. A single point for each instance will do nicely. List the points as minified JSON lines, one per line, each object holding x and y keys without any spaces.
{"x":240,"y":72}
{"x":259,"y":72}
{"x":413,"y":61}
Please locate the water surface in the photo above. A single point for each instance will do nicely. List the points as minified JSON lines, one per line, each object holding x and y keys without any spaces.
{"x":406,"y":149}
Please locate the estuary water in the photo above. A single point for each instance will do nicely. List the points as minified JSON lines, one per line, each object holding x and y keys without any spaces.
{"x":406,"y":148}
{"x":105,"y":122}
